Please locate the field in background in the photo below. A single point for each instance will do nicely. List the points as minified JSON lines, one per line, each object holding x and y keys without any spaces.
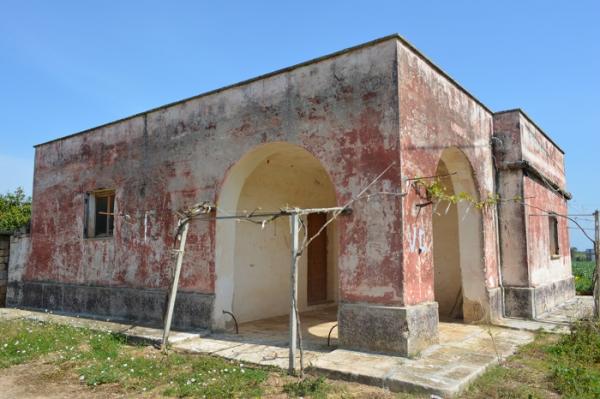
{"x":583,"y":272}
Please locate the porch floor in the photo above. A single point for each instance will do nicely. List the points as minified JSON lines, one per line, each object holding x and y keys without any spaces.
{"x":315,"y":324}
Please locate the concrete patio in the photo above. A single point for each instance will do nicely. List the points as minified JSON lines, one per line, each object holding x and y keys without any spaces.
{"x":463,"y":353}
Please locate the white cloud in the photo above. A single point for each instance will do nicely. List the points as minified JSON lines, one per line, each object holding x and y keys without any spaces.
{"x":16,"y":172}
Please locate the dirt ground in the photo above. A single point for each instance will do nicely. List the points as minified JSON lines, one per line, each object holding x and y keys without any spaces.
{"x":41,"y":380}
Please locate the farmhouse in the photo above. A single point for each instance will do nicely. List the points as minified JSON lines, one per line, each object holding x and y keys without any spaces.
{"x":463,"y":225}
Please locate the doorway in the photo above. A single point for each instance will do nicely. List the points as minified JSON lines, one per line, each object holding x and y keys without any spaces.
{"x":253,"y":261}
{"x":459,"y":274}
{"x":316,"y":284}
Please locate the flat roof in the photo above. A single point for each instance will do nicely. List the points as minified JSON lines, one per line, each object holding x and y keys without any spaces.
{"x":394,"y":36}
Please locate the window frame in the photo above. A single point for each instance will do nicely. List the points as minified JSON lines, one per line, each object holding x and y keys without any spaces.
{"x":91,"y":213}
{"x":554,"y":239}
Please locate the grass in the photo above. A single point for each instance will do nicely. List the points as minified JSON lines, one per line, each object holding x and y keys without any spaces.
{"x":315,"y":387}
{"x":22,"y":341}
{"x":102,"y":358}
{"x":565,"y":366}
{"x":551,"y":366}
{"x":583,"y":272}
{"x":576,"y":358}
{"x":98,"y":358}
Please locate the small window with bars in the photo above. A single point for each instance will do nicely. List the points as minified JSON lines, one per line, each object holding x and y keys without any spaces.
{"x":100,"y":214}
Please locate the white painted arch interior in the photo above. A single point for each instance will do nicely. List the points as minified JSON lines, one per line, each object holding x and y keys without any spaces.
{"x":459,"y":276}
{"x":253,"y":263}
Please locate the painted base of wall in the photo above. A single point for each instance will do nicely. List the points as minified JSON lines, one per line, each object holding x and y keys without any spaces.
{"x":495,"y":303}
{"x":400,"y":330}
{"x":529,"y":302}
{"x":134,"y":305}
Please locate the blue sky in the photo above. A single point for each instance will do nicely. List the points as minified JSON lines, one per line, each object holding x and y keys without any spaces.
{"x":69,"y":65}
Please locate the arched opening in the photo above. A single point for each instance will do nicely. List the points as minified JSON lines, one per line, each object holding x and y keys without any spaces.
{"x":253,"y":261}
{"x":459,"y":282}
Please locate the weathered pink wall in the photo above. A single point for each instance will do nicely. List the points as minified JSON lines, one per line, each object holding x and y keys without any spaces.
{"x":342,"y":109}
{"x":436,"y":114}
{"x":357,"y":112}
{"x":543,"y":268}
{"x":525,"y":231}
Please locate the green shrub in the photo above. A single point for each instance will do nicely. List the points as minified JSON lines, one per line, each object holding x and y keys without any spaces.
{"x":15,"y":210}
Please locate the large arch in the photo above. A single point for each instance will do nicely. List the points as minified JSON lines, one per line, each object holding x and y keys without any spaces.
{"x":252,"y":263}
{"x":459,"y":279}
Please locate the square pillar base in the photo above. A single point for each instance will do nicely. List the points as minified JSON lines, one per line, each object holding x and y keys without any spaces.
{"x":530,"y":302}
{"x":404,"y":331}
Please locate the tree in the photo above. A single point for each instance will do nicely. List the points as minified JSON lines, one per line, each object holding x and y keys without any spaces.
{"x":15,"y":210}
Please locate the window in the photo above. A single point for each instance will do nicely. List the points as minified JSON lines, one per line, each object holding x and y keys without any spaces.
{"x":553,"y":223}
{"x":100,"y":213}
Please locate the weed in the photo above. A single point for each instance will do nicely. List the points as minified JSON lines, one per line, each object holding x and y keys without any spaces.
{"x":577,"y":381}
{"x":216,"y":378}
{"x":315,"y":387}
{"x":576,"y":359}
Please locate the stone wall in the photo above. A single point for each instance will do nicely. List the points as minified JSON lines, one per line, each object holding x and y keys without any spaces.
{"x":4,"y":255}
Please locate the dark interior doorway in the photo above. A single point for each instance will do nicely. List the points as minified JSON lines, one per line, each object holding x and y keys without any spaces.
{"x":317,"y":260}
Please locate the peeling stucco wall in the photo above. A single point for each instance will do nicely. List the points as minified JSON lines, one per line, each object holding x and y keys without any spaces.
{"x":356,"y":112}
{"x":436,"y":114}
{"x":543,"y":267}
{"x":525,"y":238}
{"x":340,"y":109}
{"x":20,"y":250}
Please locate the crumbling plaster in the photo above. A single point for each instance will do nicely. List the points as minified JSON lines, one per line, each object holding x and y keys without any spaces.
{"x":357,"y":112}
{"x":435,"y":114}
{"x":525,"y":231}
{"x":337,"y":109}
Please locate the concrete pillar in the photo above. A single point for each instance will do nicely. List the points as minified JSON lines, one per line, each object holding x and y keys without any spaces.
{"x":373,"y":314}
